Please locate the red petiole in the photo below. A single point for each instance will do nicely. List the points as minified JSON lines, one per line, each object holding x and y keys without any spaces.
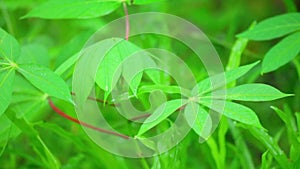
{"x":66,"y":116}
{"x":127,"y":21}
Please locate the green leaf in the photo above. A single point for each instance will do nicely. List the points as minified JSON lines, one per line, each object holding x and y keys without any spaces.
{"x":160,"y":114}
{"x":282,"y":53}
{"x":142,"y":2}
{"x":198,"y":119}
{"x":45,"y":80}
{"x":154,"y":75}
{"x":290,"y":126}
{"x":205,"y":85}
{"x":115,"y":64}
{"x":165,"y":89}
{"x":8,"y":129}
{"x":274,"y":27}
{"x":74,"y":9}
{"x":132,"y":72}
{"x":6,"y":87}
{"x":9,"y":47}
{"x":268,"y":142}
{"x":38,"y":144}
{"x":265,"y":162}
{"x":109,"y":69}
{"x":234,"y":111}
{"x":251,"y":92}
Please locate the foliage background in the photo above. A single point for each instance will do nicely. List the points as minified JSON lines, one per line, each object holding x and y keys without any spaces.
{"x":51,"y":42}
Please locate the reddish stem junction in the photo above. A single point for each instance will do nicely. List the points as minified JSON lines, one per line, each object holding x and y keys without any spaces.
{"x":66,"y":116}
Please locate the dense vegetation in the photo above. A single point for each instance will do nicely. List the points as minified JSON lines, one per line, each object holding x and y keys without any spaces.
{"x":247,"y":117}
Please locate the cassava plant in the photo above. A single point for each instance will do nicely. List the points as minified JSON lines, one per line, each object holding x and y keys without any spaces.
{"x":238,"y":115}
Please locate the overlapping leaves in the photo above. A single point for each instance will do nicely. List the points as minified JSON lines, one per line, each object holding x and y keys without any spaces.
{"x":275,"y":27}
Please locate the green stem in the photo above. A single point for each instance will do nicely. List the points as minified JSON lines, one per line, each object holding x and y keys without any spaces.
{"x":242,"y":147}
{"x":234,"y":62}
{"x":51,"y":160}
{"x":297,"y":65}
{"x":142,"y":159}
{"x":272,"y":146}
{"x":290,"y":5}
{"x":229,"y":47}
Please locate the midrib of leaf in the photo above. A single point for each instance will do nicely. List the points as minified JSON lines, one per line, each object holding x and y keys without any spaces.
{"x":279,"y":26}
{"x":3,"y":81}
{"x":225,"y":96}
{"x":197,"y":120}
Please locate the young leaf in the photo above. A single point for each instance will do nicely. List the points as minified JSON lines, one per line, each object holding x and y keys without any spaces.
{"x":6,"y":86}
{"x":282,"y":53}
{"x":9,"y":47}
{"x":252,"y":92}
{"x":205,"y":85}
{"x":160,"y":114}
{"x":45,"y":80}
{"x":142,"y":2}
{"x":234,"y":111}
{"x":274,"y":27}
{"x":198,"y":118}
{"x":73,"y":9}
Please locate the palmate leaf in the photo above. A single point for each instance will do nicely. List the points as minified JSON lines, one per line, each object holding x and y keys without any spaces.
{"x":160,"y":114}
{"x":74,"y":9}
{"x":9,"y":47}
{"x":274,"y":27}
{"x":6,"y":87}
{"x":46,"y":80}
{"x":282,"y":53}
{"x":250,"y":92}
{"x":233,"y":111}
